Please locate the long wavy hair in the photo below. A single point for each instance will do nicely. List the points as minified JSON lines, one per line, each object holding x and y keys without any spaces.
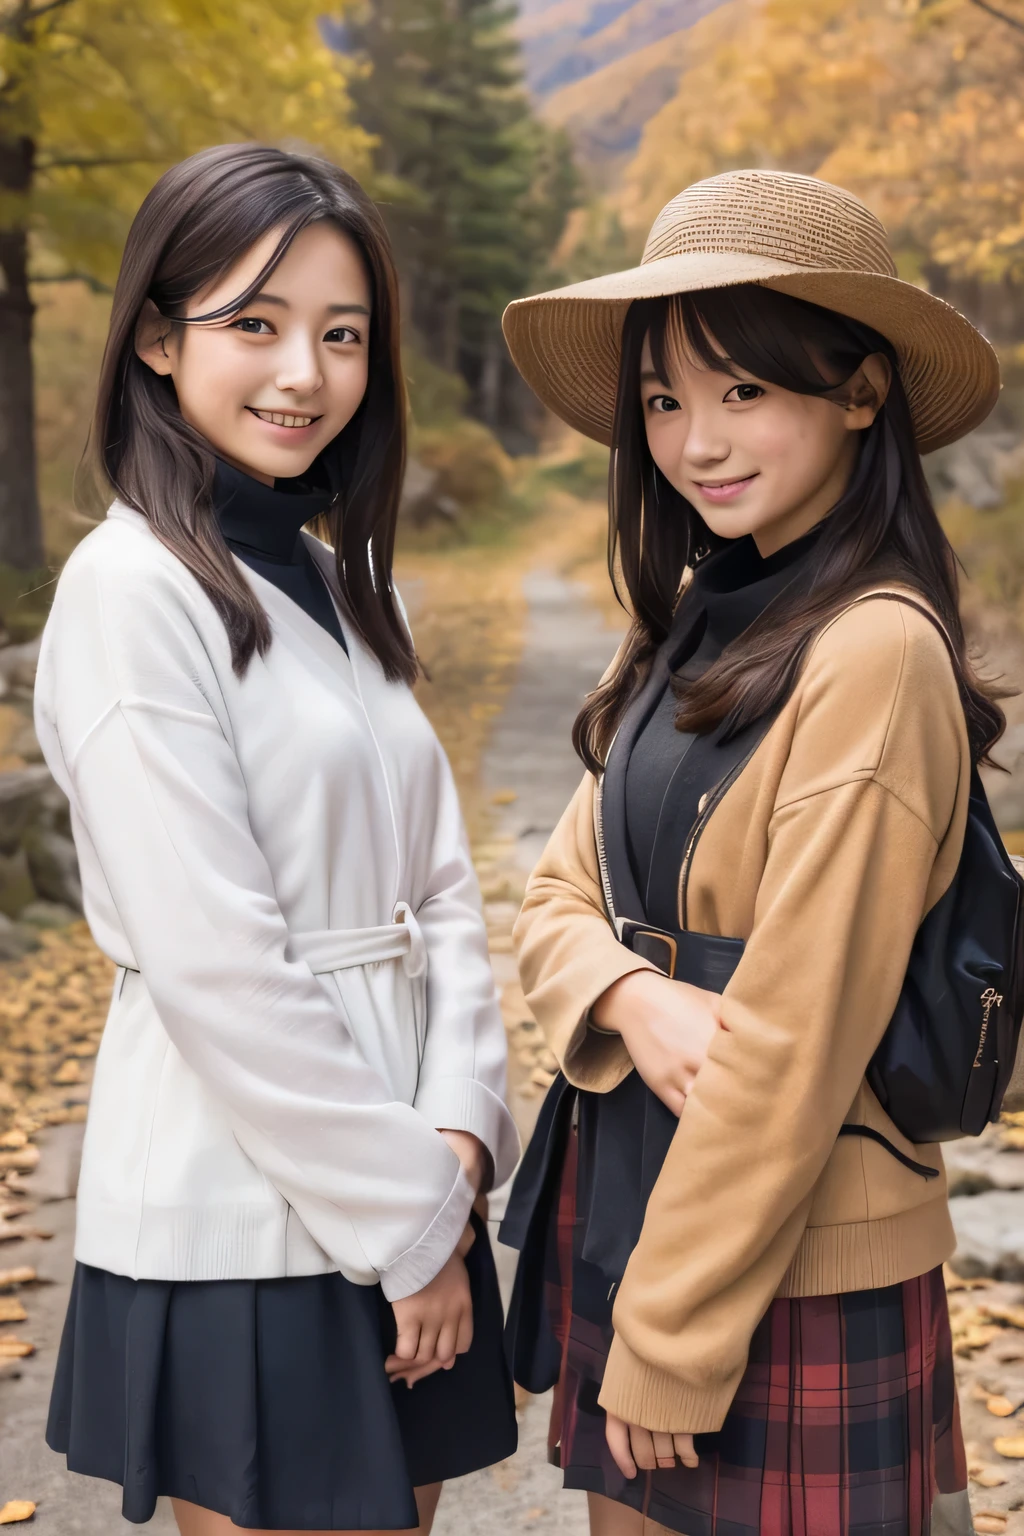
{"x":882,"y":529}
{"x":200,"y":218}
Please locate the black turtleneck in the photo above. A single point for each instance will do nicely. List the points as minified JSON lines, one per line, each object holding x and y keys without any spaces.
{"x":262,"y":526}
{"x":733,"y":587}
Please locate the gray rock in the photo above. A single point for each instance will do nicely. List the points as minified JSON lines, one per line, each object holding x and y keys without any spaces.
{"x":21,"y":792}
{"x":976,"y":1164}
{"x":976,"y":468}
{"x":990,"y":1235}
{"x":53,"y":866}
{"x":15,"y":940}
{"x":48,"y":914}
{"x":18,"y":664}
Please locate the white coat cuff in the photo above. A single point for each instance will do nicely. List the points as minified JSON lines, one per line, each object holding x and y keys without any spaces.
{"x":465,"y":1104}
{"x":418,"y":1265}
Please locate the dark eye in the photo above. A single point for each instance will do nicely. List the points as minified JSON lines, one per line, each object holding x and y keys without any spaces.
{"x":251,"y":326}
{"x":343,"y":333}
{"x":663,"y":403}
{"x":744,"y":392}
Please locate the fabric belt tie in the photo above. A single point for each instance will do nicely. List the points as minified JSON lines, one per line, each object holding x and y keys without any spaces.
{"x":340,"y":949}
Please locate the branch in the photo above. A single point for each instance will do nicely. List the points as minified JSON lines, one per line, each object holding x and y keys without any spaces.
{"x":85,"y":163}
{"x":34,"y":12}
{"x":74,"y":277}
{"x":1011,"y":21}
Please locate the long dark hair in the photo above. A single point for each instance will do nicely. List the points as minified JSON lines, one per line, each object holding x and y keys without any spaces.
{"x":198,"y":220}
{"x":883,"y":528}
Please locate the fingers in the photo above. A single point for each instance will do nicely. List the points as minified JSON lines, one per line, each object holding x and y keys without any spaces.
{"x":616,"y":1432}
{"x":685,"y":1451}
{"x":409,"y":1374}
{"x":429,"y":1330}
{"x":673,"y":1098}
{"x":408,"y":1342}
{"x":641,"y":1443}
{"x":664,"y":1449}
{"x":465,"y":1332}
{"x":448,"y":1342}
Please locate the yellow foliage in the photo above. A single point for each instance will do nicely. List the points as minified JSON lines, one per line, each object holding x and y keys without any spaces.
{"x":112,"y":91}
{"x":917,"y":108}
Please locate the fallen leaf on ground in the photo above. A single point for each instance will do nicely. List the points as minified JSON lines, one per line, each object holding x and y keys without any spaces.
{"x":1013,"y":1139}
{"x":70,"y":1072}
{"x":504,"y":797}
{"x":1000,"y":1406}
{"x":955,"y":1282}
{"x":22,"y":1161}
{"x":986,"y":1476}
{"x":23,"y":1275}
{"x":15,"y":1510}
{"x":13,"y":1348}
{"x":990,"y":1525}
{"x":1014,"y":1316}
{"x":1011,"y":1446}
{"x":11,"y":1310}
{"x":12,"y":1140}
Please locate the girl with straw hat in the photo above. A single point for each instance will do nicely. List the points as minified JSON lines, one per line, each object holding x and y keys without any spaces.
{"x":731,"y":1256}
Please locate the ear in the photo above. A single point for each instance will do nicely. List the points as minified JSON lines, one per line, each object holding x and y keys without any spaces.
{"x":864,"y":394}
{"x":152,"y":332}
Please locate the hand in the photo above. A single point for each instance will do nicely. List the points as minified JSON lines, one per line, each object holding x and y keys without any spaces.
{"x":633,"y":1447}
{"x":477,"y":1163}
{"x":667,"y":1027}
{"x":436,"y":1323}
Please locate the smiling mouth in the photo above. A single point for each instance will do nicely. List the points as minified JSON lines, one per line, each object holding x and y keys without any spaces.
{"x":283,"y":418}
{"x":724,"y":485}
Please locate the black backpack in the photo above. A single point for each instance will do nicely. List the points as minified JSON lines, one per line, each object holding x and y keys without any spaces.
{"x":947,"y":1058}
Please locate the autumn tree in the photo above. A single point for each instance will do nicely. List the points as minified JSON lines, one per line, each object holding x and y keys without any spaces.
{"x":475,"y":187}
{"x":96,"y":98}
{"x":914,"y":104}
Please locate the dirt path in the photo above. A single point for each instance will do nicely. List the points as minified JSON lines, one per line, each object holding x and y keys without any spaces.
{"x":511,"y":652}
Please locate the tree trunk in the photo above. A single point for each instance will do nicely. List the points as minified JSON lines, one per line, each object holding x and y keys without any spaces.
{"x":21,"y":540}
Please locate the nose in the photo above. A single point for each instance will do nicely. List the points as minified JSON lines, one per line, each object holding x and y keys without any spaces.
{"x":298,"y":369}
{"x":705,"y":443}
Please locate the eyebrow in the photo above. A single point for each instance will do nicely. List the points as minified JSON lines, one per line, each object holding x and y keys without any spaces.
{"x":332,"y":309}
{"x":649,"y":376}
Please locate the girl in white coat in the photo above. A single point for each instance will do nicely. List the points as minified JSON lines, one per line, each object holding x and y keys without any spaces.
{"x":299,"y":1094}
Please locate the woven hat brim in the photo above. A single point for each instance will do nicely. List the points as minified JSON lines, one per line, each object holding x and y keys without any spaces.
{"x":566,"y":343}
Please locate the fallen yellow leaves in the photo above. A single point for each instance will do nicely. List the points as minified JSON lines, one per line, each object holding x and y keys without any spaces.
{"x":53,"y":1004}
{"x":11,"y":1310}
{"x":1000,"y":1406}
{"x":986,"y":1476}
{"x":1010,"y":1446}
{"x":990,"y":1522}
{"x":13,"y":1348}
{"x":23,"y":1274}
{"x":15,"y":1510}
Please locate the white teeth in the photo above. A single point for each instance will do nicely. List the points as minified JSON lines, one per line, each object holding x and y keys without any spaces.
{"x":279,"y":419}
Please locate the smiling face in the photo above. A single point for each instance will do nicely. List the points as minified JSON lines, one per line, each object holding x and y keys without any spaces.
{"x":272,"y":384}
{"x":751,"y":457}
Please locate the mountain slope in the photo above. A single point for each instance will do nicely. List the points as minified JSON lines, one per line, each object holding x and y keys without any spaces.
{"x":572,"y":39}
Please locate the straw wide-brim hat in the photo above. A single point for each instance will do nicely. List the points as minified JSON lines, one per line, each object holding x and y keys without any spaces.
{"x":795,"y":234}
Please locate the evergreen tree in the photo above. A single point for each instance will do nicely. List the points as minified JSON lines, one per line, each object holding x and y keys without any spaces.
{"x":476,"y":189}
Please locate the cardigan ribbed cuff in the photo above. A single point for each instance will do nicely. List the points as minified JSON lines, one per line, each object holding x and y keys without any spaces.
{"x":465,"y":1104}
{"x":592,"y":1059}
{"x":653,"y":1398}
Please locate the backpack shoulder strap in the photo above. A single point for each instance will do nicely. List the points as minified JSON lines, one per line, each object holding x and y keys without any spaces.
{"x":900,"y":595}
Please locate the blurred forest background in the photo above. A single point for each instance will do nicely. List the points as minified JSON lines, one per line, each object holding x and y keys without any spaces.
{"x":512,"y":148}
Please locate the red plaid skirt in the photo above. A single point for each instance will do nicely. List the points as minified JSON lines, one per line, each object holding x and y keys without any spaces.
{"x":845,"y":1423}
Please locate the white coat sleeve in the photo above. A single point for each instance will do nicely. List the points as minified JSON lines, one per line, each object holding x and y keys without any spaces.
{"x":462,"y":1073}
{"x":156,"y":783}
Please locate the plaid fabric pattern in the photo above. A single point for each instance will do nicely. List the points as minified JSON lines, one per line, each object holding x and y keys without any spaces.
{"x":845,"y":1422}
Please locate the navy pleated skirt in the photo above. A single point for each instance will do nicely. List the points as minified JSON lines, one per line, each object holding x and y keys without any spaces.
{"x":266,"y":1400}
